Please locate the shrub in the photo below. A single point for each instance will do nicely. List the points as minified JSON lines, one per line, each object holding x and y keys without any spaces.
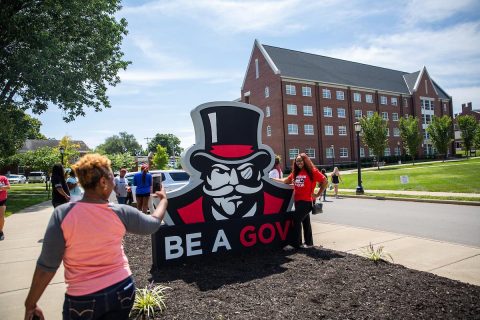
{"x":149,"y":300}
{"x":376,"y":255}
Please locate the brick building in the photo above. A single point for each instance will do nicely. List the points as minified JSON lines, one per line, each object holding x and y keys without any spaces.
{"x":467,"y":109}
{"x":311,"y":102}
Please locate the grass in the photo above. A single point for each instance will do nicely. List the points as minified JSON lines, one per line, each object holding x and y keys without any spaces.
{"x":21,"y":196}
{"x":376,"y":255}
{"x":455,"y":176}
{"x":407,"y":196}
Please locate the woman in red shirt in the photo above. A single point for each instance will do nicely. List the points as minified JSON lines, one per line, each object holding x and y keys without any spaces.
{"x":304,"y":177}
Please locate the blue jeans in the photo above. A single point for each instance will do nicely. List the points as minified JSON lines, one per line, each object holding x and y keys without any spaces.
{"x":122,"y":200}
{"x":111,"y":303}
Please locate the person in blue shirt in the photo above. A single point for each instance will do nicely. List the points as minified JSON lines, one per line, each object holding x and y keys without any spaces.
{"x":144,"y":183}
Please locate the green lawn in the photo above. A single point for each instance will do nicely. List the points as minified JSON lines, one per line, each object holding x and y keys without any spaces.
{"x":455,"y":176}
{"x":21,"y":196}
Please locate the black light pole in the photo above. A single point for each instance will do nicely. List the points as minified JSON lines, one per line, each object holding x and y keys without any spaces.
{"x":399,"y":152}
{"x":359,"y":189}
{"x":62,"y":151}
{"x":333,"y":157}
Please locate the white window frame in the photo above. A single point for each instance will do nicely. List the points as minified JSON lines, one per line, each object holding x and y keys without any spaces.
{"x":357,"y":97}
{"x":267,"y":92}
{"x":339,"y":115}
{"x":308,"y":129}
{"x":306,"y":91}
{"x":257,"y":72}
{"x":358,"y":114}
{"x":394,"y":101}
{"x":387,"y":152}
{"x":342,"y":130}
{"x":267,"y":112}
{"x":370,"y":113}
{"x":326,"y":93}
{"x":388,"y":132}
{"x":329,"y":153}
{"x":290,"y":89}
{"x":328,"y":130}
{"x":369,"y":98}
{"x":340,"y":95}
{"x":292,"y":129}
{"x":383,"y":100}
{"x":292,"y":109}
{"x":394,"y":116}
{"x":310,"y":152}
{"x":396,"y":132}
{"x":327,"y":112}
{"x":405,"y":102}
{"x":343,"y":152}
{"x":293,"y":153}
{"x":384,"y":115}
{"x":269,"y":131}
{"x":308,"y":111}
{"x":362,"y":152}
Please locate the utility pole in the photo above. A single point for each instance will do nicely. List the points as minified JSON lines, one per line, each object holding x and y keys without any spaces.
{"x":148,"y":140}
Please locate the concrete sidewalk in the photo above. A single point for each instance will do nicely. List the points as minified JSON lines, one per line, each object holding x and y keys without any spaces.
{"x":419,"y":193}
{"x":24,"y":232}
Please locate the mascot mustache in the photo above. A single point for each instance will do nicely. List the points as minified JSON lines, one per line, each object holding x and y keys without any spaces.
{"x":228,"y":189}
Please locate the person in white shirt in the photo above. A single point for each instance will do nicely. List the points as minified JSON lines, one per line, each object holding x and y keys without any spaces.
{"x":121,"y":185}
{"x":276,"y":172}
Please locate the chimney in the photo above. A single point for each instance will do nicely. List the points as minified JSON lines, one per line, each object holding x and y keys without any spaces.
{"x":469,"y":106}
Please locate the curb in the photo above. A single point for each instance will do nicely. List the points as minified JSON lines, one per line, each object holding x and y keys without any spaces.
{"x":464,"y":203}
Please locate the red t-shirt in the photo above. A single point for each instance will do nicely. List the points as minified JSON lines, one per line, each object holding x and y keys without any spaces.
{"x":303,"y":186}
{"x":3,"y":182}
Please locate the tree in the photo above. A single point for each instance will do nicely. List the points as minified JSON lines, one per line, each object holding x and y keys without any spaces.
{"x":374,"y":134}
{"x":477,"y":137}
{"x":123,"y":143}
{"x":168,"y":141}
{"x":121,"y":160}
{"x":440,"y":132}
{"x":17,"y":126}
{"x":70,"y":153}
{"x":410,"y":135}
{"x":41,"y":159}
{"x":160,"y":159}
{"x":468,"y":127}
{"x":64,"y":53}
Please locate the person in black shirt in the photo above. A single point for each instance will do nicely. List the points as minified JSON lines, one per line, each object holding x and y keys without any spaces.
{"x":60,"y":193}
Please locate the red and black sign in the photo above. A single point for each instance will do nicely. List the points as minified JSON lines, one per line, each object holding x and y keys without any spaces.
{"x":229,"y":203}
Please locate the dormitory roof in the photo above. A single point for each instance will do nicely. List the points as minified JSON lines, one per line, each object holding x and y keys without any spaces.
{"x":313,"y":67}
{"x":34,"y":144}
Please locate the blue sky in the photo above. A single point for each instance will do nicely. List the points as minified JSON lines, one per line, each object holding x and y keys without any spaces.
{"x":188,"y":52}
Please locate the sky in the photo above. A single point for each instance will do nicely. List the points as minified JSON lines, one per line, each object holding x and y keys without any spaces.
{"x":188,"y":52}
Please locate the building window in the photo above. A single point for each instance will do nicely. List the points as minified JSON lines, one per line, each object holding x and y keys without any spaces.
{"x":310,"y":152}
{"x":327,"y":112}
{"x":426,"y":104}
{"x":395,"y":116}
{"x":267,"y":92}
{"x":308,"y":128}
{"x":326,"y":94}
{"x":386,"y":152}
{"x":385,"y":115}
{"x":341,"y":112}
{"x":256,"y":69}
{"x":371,"y":153}
{"x":329,"y":130}
{"x":405,"y":115}
{"x":342,"y":130}
{"x":405,"y":102}
{"x":357,"y":97}
{"x":362,"y":152}
{"x":329,"y":153}
{"x":293,"y":153}
{"x":343,"y":153}
{"x":267,"y":111}
{"x":306,"y":91}
{"x":308,"y":111}
{"x":394,"y":101}
{"x":292,"y":109}
{"x":444,"y":107}
{"x":292,"y":128}
{"x":383,"y":100}
{"x":397,"y":151}
{"x":358,"y":114}
{"x":387,"y":130}
{"x":369,"y":114}
{"x":369,"y":98}
{"x":340,"y":95}
{"x":396,"y":132}
{"x":291,"y":90}
{"x":269,"y":131}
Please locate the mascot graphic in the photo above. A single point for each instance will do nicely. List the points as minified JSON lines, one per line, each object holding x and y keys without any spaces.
{"x":228,"y":167}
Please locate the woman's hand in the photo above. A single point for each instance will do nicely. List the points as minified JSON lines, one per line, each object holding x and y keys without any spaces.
{"x":30,"y":312}
{"x":160,"y":194}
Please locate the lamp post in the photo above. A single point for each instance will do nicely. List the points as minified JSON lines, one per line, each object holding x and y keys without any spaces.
{"x":62,"y":152}
{"x":399,"y":153}
{"x":359,"y":189}
{"x":333,"y":157}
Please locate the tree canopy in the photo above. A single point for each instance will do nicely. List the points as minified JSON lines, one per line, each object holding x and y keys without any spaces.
{"x":410,"y":135}
{"x":440,"y":132}
{"x":59,"y":52}
{"x":121,"y":160}
{"x":374,"y":134}
{"x":160,"y":159}
{"x":70,"y":150}
{"x":168,"y":141}
{"x":468,"y":127}
{"x":41,"y":159}
{"x":123,"y":143}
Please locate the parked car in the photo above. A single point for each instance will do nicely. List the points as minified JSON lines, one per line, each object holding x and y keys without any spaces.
{"x":169,"y":179}
{"x":37,"y":176}
{"x":16,"y":178}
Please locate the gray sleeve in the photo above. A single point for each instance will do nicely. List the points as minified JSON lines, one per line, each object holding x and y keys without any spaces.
{"x":136,"y":221}
{"x":53,"y":242}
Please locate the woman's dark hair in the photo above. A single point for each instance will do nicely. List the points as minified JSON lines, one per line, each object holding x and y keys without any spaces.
{"x":144,"y":176}
{"x":307,"y":165}
{"x":57,"y":171}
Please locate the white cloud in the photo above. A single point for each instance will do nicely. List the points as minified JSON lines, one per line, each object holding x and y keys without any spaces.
{"x":425,"y":11}
{"x":464,"y":95}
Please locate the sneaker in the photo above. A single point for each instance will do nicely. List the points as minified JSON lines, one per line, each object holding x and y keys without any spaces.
{"x":2,"y":236}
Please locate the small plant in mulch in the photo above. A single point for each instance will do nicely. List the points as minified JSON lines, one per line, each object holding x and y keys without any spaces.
{"x":149,"y":300}
{"x":376,"y":255}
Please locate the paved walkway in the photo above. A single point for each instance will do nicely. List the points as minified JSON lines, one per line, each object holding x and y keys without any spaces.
{"x":419,"y":193}
{"x":24,"y":232}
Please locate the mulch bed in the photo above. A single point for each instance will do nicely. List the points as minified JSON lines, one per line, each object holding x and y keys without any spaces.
{"x":313,"y":283}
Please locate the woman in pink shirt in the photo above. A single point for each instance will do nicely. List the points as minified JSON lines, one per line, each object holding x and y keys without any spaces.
{"x":87,"y":237}
{"x":4,"y":186}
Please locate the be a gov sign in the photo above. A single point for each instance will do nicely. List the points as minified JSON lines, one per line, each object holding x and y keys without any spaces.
{"x":403,"y":179}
